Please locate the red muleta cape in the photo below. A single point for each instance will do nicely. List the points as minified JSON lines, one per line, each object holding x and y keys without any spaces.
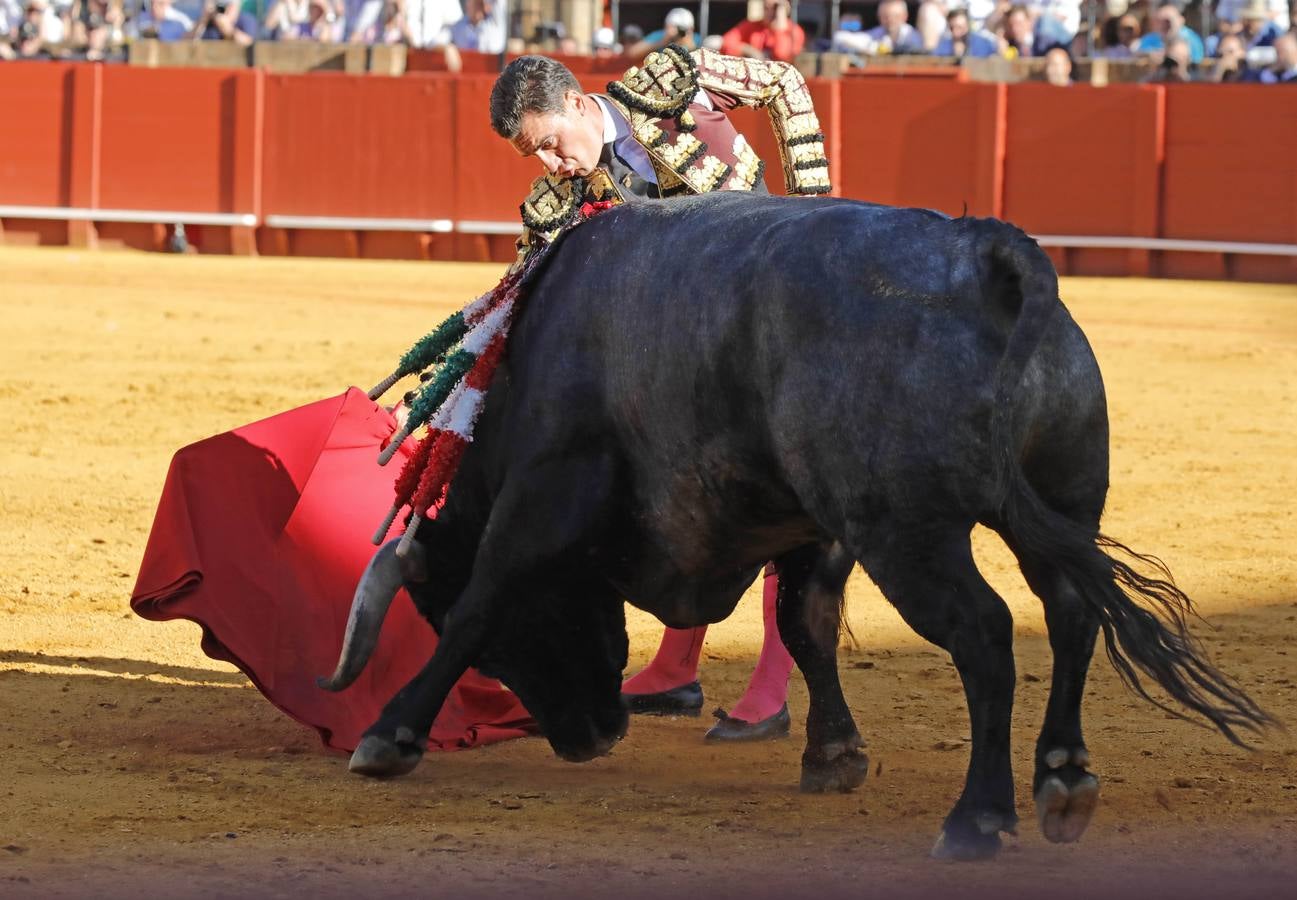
{"x":261,"y":536}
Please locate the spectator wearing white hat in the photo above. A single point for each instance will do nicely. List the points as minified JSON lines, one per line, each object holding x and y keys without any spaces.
{"x":1260,"y":24}
{"x":1275,"y":11}
{"x":604,"y":43}
{"x":677,"y":29}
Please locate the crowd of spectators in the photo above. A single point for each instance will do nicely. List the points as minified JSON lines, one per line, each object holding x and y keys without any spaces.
{"x":1252,"y":40}
{"x":96,"y":29}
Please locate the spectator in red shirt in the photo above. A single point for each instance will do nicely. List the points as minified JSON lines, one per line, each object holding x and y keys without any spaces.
{"x":776,"y":36}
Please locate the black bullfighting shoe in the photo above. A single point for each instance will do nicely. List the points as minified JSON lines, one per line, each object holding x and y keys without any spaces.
{"x":732,"y":729}
{"x":686,"y":700}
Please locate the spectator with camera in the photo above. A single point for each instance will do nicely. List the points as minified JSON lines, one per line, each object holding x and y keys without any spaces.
{"x":678,"y":28}
{"x":1231,"y":59}
{"x":160,"y":21}
{"x":960,"y":40}
{"x":28,"y":39}
{"x":893,"y":35}
{"x":225,"y":20}
{"x":775,"y":36}
{"x":1284,"y":70}
{"x":1168,"y":26}
{"x":98,"y":27}
{"x":1018,"y":33}
{"x":1176,"y":64}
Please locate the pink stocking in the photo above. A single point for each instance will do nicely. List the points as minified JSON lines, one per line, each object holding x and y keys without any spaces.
{"x":768,"y":689}
{"x":675,"y":665}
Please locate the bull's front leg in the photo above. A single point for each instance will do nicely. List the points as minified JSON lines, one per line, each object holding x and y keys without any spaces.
{"x":811,"y":581}
{"x":394,"y":744}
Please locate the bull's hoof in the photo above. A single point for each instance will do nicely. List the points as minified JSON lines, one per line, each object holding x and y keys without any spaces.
{"x":1066,"y":795}
{"x":380,"y":757}
{"x":842,"y":774}
{"x":969,"y":839}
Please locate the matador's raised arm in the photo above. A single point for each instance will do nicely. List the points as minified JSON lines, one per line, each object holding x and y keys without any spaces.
{"x":779,"y":88}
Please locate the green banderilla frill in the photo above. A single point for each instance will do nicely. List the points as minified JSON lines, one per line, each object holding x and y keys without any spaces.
{"x":428,"y":351}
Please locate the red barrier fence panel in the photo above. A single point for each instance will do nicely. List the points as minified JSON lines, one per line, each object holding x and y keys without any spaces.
{"x":1195,"y":162}
{"x":1230,"y":175}
{"x":1085,"y":161}
{"x":35,"y":162}
{"x":493,"y":179}
{"x":169,"y":138}
{"x":922,"y":142}
{"x":344,"y":146}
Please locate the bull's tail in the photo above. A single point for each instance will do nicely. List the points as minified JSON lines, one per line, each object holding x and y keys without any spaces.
{"x":1143,"y":617}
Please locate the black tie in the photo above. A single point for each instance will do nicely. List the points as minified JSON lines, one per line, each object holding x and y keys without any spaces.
{"x":628,"y":180}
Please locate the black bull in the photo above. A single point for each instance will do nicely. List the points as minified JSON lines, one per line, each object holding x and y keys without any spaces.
{"x":699,"y":386}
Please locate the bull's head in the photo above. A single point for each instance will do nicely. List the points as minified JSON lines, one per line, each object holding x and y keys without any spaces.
{"x":562,"y":653}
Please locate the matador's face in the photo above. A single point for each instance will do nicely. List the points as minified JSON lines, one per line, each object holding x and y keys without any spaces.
{"x":567,"y":143}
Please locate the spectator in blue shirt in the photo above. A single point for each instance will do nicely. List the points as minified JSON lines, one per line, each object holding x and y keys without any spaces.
{"x":960,"y":40}
{"x":160,"y":21}
{"x":1168,"y":26}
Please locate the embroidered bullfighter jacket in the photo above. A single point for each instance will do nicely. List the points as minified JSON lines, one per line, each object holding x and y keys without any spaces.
{"x":659,"y":99}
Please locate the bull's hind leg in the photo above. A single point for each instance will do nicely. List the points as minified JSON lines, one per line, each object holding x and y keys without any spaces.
{"x":930,"y":577}
{"x":811,"y":581}
{"x":1065,"y":791}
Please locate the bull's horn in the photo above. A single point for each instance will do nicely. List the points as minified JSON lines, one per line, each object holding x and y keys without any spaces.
{"x":379,"y":584}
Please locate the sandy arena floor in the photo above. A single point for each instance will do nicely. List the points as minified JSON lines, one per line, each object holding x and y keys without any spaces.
{"x":133,"y":764}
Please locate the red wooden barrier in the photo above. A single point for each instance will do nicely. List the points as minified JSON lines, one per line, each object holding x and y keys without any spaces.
{"x":1231,"y":175}
{"x":35,"y":164}
{"x":1193,"y":162}
{"x":338,"y":146}
{"x":168,"y":138}
{"x":1085,"y":162}
{"x":927,"y":143}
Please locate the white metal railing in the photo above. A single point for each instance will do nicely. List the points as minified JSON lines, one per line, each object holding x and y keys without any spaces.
{"x":163,"y":217}
{"x":497,"y":227}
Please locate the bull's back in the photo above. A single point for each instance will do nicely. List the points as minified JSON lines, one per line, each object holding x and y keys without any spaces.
{"x":696,"y":312}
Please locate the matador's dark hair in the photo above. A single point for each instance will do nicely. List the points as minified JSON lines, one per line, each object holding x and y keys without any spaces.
{"x":529,"y":84}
